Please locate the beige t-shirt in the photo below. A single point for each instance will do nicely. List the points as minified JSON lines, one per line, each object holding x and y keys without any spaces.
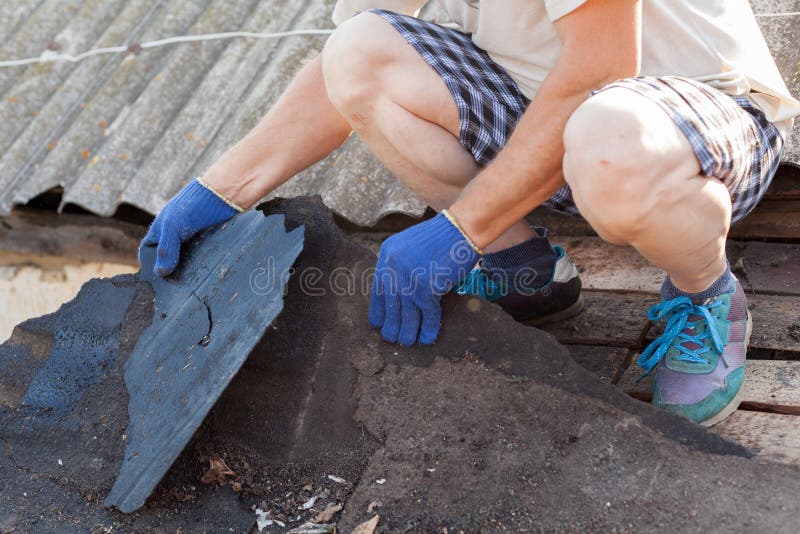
{"x":717,"y":42}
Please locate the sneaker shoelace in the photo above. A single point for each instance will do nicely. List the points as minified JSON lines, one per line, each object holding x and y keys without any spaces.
{"x":478,"y":284}
{"x":679,"y":327}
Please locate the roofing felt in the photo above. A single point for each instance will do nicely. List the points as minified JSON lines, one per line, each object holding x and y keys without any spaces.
{"x":133,"y":128}
{"x":477,"y":432}
{"x":204,"y":320}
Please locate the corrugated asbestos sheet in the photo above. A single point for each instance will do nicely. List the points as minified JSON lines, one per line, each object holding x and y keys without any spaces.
{"x":134,"y":128}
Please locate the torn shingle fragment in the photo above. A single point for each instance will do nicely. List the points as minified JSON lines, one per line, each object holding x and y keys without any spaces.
{"x":198,"y":340}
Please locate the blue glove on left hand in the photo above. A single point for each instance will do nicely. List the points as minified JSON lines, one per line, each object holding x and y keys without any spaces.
{"x":415,"y":268}
{"x":195,"y":208}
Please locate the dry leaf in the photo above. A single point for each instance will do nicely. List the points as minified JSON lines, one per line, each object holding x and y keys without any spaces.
{"x":327,"y":514}
{"x":216,"y":472}
{"x":368,"y":527}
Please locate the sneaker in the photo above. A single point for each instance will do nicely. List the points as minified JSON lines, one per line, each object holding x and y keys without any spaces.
{"x":699,"y":360}
{"x":559,"y":299}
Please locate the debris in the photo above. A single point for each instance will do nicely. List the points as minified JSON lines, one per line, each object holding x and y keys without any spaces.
{"x":380,"y":481}
{"x":794,"y":332}
{"x":327,"y":514}
{"x":368,"y":527}
{"x":340,"y":480}
{"x":373,"y":505}
{"x":60,"y":462}
{"x":309,"y":503}
{"x":261,"y":519}
{"x":311,"y":528}
{"x":217,"y":471}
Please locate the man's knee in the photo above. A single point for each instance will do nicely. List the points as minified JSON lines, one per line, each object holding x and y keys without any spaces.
{"x":351,"y":61}
{"x":616,"y":159}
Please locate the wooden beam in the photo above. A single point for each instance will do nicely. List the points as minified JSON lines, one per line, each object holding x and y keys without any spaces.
{"x":608,"y":319}
{"x":606,"y":362}
{"x":772,"y":219}
{"x":771,"y":436}
{"x":770,"y":385}
{"x":79,"y":237}
{"x":776,"y":323}
{"x":620,"y":320}
{"x":768,"y":268}
{"x":772,"y":268}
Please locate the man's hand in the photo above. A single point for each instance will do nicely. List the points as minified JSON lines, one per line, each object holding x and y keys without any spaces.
{"x":194,"y":208}
{"x":415,"y":268}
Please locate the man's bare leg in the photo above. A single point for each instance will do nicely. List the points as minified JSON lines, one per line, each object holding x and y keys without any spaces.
{"x":637,"y":181}
{"x":411,"y":117}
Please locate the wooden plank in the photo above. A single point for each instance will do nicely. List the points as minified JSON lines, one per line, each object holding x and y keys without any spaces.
{"x":776,"y":323}
{"x":772,"y":219}
{"x":606,"y":362}
{"x":776,"y":217}
{"x":608,"y":319}
{"x":79,"y":237}
{"x":608,"y":267}
{"x":785,"y":185}
{"x":772,"y":268}
{"x":770,"y":385}
{"x":771,"y":436}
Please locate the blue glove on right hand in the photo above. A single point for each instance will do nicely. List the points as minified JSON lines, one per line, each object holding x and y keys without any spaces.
{"x":415,"y":268}
{"x":194,"y":208}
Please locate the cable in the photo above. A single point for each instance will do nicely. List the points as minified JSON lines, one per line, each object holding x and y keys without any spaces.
{"x":50,"y":56}
{"x":788,"y":14}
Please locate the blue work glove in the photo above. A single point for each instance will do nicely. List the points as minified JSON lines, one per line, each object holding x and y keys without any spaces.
{"x":195,"y":208}
{"x":415,"y":268}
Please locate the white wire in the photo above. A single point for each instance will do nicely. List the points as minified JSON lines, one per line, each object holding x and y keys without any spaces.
{"x":788,"y":14}
{"x":50,"y":56}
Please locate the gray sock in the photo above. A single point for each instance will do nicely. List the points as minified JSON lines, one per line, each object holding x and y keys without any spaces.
{"x":724,"y":284}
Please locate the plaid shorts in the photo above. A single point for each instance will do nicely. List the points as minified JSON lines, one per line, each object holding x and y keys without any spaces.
{"x":731,"y":138}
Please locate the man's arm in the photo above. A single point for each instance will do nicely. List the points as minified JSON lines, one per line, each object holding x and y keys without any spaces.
{"x":300,"y":129}
{"x":601,"y":42}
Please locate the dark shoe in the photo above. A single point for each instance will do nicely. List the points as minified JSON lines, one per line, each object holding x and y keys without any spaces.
{"x":560,"y":298}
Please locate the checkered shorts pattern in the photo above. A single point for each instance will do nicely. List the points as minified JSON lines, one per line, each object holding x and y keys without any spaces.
{"x":732,"y":139}
{"x":488,"y":101}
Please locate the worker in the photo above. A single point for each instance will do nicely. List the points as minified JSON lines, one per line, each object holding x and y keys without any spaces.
{"x":660,"y":122}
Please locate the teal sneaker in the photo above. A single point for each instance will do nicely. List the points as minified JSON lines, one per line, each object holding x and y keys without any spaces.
{"x":558,"y":299}
{"x":699,"y":360}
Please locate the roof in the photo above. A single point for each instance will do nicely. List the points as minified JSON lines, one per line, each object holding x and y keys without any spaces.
{"x":133,"y":128}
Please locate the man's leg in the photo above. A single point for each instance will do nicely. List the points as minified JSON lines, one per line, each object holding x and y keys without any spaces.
{"x":635,"y":178}
{"x":403,"y":111}
{"x":638,"y":180}
{"x":401,"y":107}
